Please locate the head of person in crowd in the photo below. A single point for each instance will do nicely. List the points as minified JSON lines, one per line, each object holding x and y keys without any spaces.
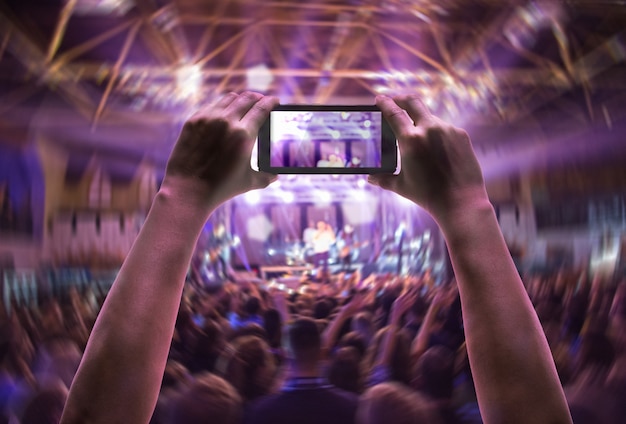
{"x":249,"y":329}
{"x":222,"y":305}
{"x":209,"y":399}
{"x":273,"y":325}
{"x":305,"y":346}
{"x":356,"y":341}
{"x":209,"y":344}
{"x":400,"y":363}
{"x":252,"y":307}
{"x":52,"y":322}
{"x":394,"y":403}
{"x":434,"y":373}
{"x":594,"y":359}
{"x":175,"y":374}
{"x":249,"y":366}
{"x":345,"y":370}
{"x":322,"y":309}
{"x":46,"y":406}
{"x":58,"y":358}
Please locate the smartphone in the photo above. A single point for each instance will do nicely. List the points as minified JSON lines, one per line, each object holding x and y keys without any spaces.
{"x":311,"y":139}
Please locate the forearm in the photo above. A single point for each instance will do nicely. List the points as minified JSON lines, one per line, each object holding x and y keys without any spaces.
{"x":420,"y":344}
{"x":389,"y":342}
{"x":121,"y":371}
{"x":509,"y":355}
{"x":332,"y":331}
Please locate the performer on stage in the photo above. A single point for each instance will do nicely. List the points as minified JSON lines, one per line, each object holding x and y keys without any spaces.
{"x":307,"y":239}
{"x":219,"y":245}
{"x":323,"y":238}
{"x":346,"y":243}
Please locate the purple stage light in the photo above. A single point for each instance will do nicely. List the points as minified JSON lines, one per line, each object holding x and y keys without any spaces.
{"x":253,"y":197}
{"x":288,"y":197}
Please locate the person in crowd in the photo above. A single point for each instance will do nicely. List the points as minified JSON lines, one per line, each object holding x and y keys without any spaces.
{"x":394,"y":403}
{"x":249,"y":314}
{"x":46,"y":406}
{"x":345,"y":370}
{"x":209,"y":399}
{"x":249,"y":366}
{"x":273,"y":325}
{"x":120,"y":374}
{"x":306,"y":397}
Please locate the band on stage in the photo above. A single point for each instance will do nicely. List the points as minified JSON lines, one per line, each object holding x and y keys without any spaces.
{"x":322,"y":249}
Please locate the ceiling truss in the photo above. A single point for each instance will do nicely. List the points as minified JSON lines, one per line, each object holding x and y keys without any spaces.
{"x":316,"y":52}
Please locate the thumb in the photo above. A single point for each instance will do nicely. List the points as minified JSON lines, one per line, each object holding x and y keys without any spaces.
{"x":262,"y":179}
{"x":385,"y":181}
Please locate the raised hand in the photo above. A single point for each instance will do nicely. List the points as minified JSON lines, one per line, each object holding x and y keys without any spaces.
{"x":439,"y":170}
{"x":213,"y":151}
{"x":402,"y":304}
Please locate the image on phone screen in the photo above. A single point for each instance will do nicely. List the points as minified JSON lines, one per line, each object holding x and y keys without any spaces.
{"x":351,"y":140}
{"x":326,"y":139}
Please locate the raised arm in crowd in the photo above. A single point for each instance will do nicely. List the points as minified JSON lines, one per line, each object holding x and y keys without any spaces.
{"x":121,"y":371}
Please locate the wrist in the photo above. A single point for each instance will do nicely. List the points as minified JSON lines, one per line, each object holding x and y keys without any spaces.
{"x":465,"y":216}
{"x":188,"y":194}
{"x":458,"y":203}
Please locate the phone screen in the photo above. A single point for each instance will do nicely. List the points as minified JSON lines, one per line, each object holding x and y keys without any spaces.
{"x":327,"y":140}
{"x":321,"y":139}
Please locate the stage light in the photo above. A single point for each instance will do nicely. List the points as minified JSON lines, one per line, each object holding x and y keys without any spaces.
{"x":323,"y":196}
{"x":259,"y":78}
{"x":102,"y":7}
{"x":367,"y":123}
{"x":288,"y":197}
{"x":361,"y":183}
{"x":360,"y":195}
{"x":188,"y":81}
{"x":259,"y":228}
{"x":253,"y":197}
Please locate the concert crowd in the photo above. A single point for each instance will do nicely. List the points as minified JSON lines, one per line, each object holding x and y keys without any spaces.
{"x":230,"y":353}
{"x":344,"y":349}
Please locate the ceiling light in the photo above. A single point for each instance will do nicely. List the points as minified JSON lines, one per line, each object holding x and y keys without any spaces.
{"x":259,"y":78}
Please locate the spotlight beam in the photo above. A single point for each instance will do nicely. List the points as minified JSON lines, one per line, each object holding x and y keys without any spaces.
{"x":272,"y":45}
{"x":236,"y":60}
{"x":32,"y":57}
{"x":115,"y":72}
{"x":59,"y":31}
{"x":207,"y":35}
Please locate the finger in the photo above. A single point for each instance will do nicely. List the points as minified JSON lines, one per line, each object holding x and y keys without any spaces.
{"x":241,"y":105}
{"x":216,"y":106}
{"x":386,"y":181}
{"x":398,"y":118}
{"x":259,"y":113}
{"x":225,"y":101}
{"x":261,"y":179}
{"x":415,"y":107}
